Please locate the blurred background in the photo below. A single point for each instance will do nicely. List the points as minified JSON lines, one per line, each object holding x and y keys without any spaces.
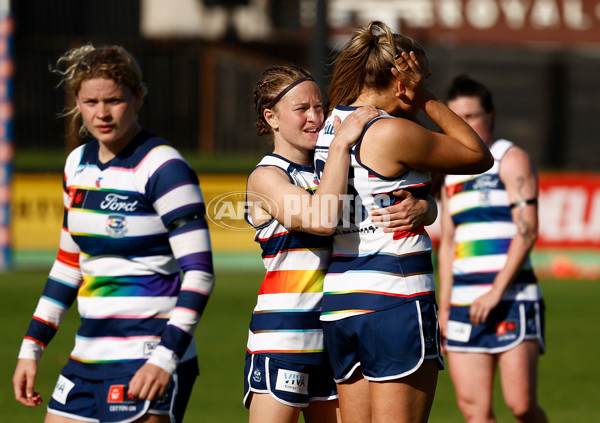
{"x":541,"y":59}
{"x":201,"y":58}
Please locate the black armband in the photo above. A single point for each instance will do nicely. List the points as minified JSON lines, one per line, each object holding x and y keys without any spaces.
{"x":523,"y":203}
{"x":182,"y":221}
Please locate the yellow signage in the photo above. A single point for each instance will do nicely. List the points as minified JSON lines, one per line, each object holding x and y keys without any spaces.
{"x":37,"y":212}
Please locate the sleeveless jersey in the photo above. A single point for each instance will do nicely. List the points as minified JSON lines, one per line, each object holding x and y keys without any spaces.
{"x":285,"y":322}
{"x":484,"y":229}
{"x":372,"y":270}
{"x":122,"y":264}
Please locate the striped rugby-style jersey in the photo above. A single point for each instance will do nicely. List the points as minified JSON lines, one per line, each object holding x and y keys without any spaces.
{"x":122,"y":264}
{"x":285,"y":322}
{"x":484,"y":229}
{"x":372,"y":270}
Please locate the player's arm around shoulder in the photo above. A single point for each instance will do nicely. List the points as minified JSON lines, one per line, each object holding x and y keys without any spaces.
{"x":262,"y":192}
{"x":270,"y":192}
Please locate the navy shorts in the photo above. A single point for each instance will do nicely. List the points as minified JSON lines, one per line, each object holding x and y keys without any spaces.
{"x":291,"y":384}
{"x":107,"y":400}
{"x":509,"y":324}
{"x":388,"y":344}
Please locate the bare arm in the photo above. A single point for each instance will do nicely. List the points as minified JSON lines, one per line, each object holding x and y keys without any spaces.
{"x":519,"y":176}
{"x":403,"y":143}
{"x":445,"y":259}
{"x":294,"y":207}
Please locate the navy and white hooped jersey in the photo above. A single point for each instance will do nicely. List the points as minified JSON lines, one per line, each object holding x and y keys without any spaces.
{"x":480,"y":209}
{"x":285,"y":322}
{"x":372,"y":270}
{"x":123,"y":265}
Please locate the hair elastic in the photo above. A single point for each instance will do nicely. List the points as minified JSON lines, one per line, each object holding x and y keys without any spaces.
{"x":374,"y":41}
{"x":286,"y":89}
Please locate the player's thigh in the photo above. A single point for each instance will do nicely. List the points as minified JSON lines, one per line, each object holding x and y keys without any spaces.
{"x":518,"y":372}
{"x":354,"y":398}
{"x":153,"y":418}
{"x":322,"y":412}
{"x":266,"y":409}
{"x":408,"y":399}
{"x":472,"y":375}
{"x":54,"y":418}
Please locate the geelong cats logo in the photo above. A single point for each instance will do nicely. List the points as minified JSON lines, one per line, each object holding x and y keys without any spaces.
{"x":116,"y":225}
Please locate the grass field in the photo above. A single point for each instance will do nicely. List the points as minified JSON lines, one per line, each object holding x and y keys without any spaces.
{"x":568,"y":383}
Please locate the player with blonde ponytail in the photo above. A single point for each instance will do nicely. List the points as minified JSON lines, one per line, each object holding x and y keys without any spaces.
{"x":379,"y":307}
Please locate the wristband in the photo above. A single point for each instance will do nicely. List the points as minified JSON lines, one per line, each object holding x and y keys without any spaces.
{"x":523,"y":203}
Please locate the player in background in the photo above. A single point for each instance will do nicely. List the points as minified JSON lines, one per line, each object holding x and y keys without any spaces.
{"x":287,"y":371}
{"x":135,"y":253}
{"x":379,"y":308}
{"x":491,"y":308}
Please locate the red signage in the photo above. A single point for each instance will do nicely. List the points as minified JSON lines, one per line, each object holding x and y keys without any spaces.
{"x":569,"y":210}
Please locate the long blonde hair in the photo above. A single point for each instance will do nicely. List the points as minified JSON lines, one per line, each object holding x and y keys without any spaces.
{"x":366,"y":60}
{"x":88,"y":62}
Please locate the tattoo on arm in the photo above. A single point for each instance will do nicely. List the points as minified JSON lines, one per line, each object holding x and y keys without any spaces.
{"x":524,"y":228}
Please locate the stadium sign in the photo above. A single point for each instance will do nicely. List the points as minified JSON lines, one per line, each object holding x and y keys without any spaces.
{"x":482,"y":21}
{"x":569,"y":211}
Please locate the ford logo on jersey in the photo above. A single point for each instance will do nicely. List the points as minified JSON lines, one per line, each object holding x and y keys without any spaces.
{"x":486,"y":181}
{"x":117,"y":202}
{"x":116,"y":225}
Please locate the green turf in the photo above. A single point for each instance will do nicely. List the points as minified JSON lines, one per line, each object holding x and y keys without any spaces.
{"x":569,"y":388}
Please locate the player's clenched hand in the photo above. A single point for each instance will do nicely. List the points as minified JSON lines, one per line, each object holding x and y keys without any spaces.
{"x":24,"y":383}
{"x":482,"y":306}
{"x":149,"y":382}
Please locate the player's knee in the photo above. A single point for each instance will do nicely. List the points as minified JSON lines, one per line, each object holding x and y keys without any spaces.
{"x":475,"y":412}
{"x":523,"y":409}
